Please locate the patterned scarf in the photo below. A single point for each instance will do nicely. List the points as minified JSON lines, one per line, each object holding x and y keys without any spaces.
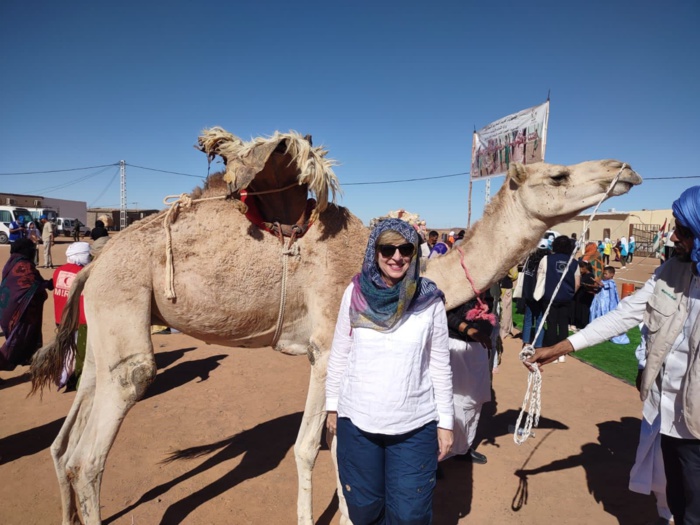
{"x":687,"y":212}
{"x":377,"y":306}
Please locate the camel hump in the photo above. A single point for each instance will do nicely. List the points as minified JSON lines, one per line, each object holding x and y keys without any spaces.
{"x":265,"y":164}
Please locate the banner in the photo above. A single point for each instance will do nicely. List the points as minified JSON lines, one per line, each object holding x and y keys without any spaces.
{"x":520,"y":137}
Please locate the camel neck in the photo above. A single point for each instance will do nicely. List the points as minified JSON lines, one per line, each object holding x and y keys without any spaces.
{"x":491,"y":247}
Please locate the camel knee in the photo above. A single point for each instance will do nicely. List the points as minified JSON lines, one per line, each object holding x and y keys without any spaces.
{"x":305,"y":455}
{"x":135,"y":374}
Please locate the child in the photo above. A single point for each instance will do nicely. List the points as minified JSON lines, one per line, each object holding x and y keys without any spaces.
{"x":606,"y":300}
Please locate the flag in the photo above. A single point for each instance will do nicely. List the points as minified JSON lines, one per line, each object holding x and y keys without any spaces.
{"x":657,"y":246}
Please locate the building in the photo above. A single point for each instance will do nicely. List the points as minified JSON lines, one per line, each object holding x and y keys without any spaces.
{"x":114,"y":214}
{"x":612,"y":224}
{"x":39,"y":205}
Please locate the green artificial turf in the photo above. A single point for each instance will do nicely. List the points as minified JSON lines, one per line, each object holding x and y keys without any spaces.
{"x":616,"y":360}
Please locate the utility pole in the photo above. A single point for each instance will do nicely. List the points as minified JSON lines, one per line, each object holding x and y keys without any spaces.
{"x":122,"y":203}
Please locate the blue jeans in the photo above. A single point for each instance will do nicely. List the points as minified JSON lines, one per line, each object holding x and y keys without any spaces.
{"x":388,"y":480}
{"x":533,"y":316}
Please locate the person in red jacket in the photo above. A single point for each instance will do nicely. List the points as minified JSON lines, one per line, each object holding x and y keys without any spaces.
{"x":78,"y":256}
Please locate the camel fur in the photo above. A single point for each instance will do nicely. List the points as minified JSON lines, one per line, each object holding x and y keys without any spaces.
{"x":237,"y":306}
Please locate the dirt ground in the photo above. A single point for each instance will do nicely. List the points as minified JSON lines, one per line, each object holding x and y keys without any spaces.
{"x":234,"y":414}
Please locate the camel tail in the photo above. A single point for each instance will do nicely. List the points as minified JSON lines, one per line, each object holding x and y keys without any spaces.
{"x":47,"y":363}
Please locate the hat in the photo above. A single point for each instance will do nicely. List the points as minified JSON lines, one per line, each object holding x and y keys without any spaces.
{"x":21,"y":219}
{"x":543,"y":244}
{"x":42,"y":217}
{"x":78,"y":253}
{"x":452,"y":232}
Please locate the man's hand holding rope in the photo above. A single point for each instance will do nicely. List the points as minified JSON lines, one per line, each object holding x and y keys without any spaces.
{"x":548,"y":354}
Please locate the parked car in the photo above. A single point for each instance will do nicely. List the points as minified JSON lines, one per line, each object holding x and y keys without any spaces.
{"x":65,"y":225}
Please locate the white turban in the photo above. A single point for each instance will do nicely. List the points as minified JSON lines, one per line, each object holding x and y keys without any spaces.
{"x":78,"y":253}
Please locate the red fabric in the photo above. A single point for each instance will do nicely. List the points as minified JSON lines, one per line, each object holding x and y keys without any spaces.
{"x":62,"y":280}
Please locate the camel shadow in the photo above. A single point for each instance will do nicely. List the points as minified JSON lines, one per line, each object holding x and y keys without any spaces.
{"x":165,"y":359}
{"x":14,"y":381}
{"x":183,"y":373}
{"x":263,"y":448}
{"x":29,"y":442}
{"x":607,"y":465}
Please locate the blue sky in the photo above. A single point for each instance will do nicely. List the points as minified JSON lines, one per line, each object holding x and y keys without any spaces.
{"x":393,"y":89}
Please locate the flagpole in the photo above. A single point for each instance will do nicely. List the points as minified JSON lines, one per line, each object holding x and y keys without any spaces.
{"x":471,"y":169}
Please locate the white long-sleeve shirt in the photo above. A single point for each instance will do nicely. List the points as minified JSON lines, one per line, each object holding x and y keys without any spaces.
{"x":676,"y":362}
{"x":391,"y":382}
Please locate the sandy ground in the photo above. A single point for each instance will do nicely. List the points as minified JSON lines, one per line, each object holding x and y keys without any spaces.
{"x":240,"y":410}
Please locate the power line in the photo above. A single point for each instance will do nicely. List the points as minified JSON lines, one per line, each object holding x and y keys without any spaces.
{"x":57,"y":187}
{"x":367,"y":183}
{"x":671,"y":178}
{"x":56,"y":171}
{"x":166,"y":171}
{"x":403,"y":180}
{"x":105,"y":188}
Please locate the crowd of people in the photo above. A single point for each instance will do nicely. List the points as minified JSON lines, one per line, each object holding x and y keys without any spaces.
{"x":23,"y":291}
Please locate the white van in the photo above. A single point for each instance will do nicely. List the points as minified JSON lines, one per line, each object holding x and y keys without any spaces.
{"x":65,"y":225}
{"x":50,"y":214}
{"x":9,"y":214}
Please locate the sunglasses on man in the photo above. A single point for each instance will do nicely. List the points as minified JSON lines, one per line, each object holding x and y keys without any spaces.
{"x":388,"y":250}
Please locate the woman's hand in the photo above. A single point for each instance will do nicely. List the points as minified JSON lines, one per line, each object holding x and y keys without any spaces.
{"x":331,"y":427}
{"x":445,"y":440}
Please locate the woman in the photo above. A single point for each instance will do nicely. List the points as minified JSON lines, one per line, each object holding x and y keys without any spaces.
{"x":22,"y":296}
{"x":592,"y":256}
{"x":389,"y":383}
{"x":34,"y":236}
{"x":583,"y":298}
{"x":607,"y":250}
{"x":631,"y":248}
{"x":624,"y":247}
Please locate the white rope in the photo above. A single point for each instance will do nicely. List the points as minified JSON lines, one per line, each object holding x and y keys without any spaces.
{"x":291,"y":250}
{"x":181,"y":201}
{"x":532,"y":403}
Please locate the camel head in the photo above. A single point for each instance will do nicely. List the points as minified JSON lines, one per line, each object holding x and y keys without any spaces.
{"x":554,"y":193}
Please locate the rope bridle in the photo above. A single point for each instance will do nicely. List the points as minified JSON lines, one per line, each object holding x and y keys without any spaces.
{"x":533,"y":395}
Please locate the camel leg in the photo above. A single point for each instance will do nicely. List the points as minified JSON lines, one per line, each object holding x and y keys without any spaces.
{"x":342,"y":504}
{"x":308,"y":440}
{"x":69,"y":435}
{"x":121,"y":382}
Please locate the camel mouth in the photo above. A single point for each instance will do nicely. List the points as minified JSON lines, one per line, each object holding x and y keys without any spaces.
{"x":622,"y":187}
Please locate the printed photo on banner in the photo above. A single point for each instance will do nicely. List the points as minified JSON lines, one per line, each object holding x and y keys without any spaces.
{"x":520,"y":137}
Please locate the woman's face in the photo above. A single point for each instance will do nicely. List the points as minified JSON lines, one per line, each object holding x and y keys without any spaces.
{"x":394,"y":267}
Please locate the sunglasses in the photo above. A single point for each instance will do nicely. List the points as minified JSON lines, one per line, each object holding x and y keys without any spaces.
{"x":388,"y":250}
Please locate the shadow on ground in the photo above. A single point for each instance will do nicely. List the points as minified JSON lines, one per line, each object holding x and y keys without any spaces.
{"x":607,"y":464}
{"x":181,"y":373}
{"x":263,"y":447}
{"x":29,"y":442}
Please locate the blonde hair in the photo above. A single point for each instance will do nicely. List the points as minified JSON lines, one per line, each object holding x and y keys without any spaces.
{"x":390,"y":237}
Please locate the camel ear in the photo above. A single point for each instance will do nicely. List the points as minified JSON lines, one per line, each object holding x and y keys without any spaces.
{"x":517,"y":173}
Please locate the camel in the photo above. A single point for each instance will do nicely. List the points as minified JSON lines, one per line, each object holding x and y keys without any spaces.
{"x":145,"y":276}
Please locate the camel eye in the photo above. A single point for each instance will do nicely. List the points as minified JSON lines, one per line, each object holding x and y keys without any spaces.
{"x":559,"y":178}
